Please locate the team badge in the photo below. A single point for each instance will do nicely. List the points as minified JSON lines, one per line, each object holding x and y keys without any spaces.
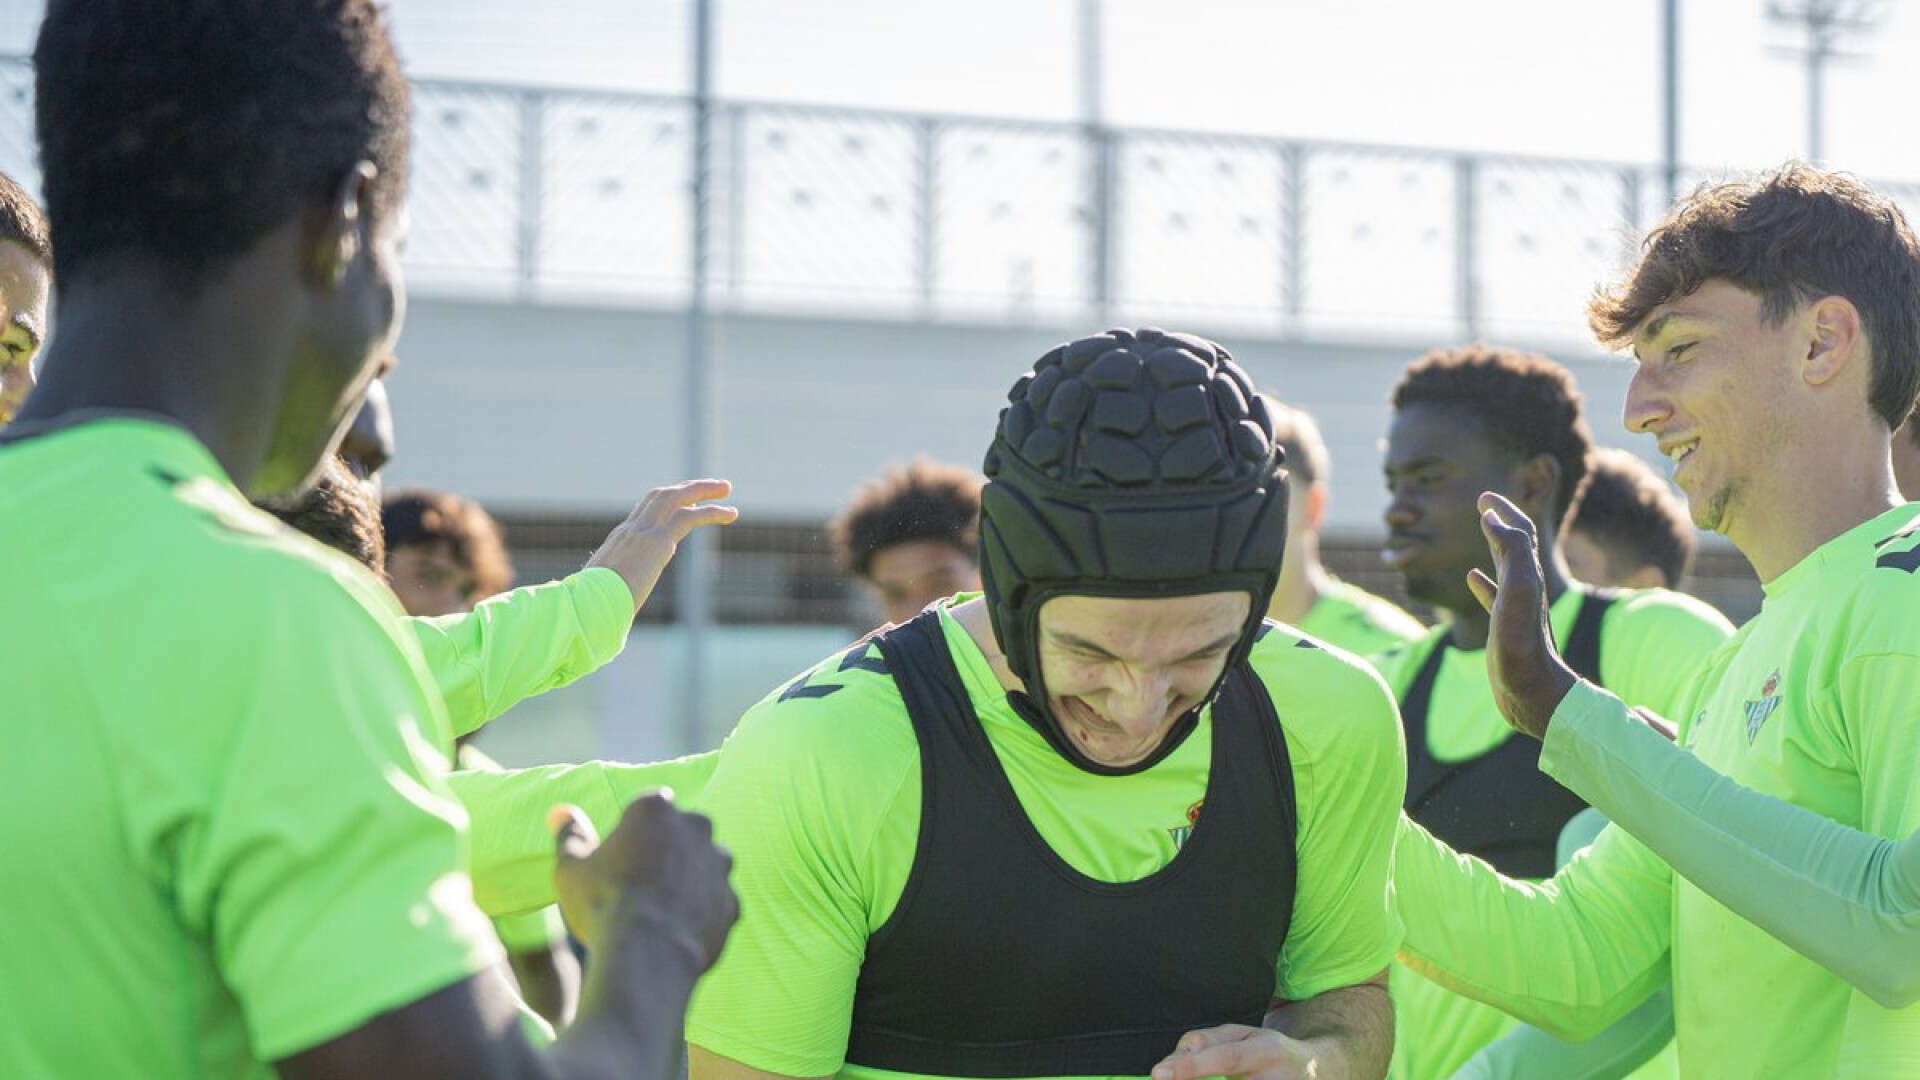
{"x":1758,"y":710}
{"x":1180,"y":833}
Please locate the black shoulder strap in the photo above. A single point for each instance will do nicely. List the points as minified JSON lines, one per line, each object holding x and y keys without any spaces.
{"x":1423,"y":772}
{"x":1583,"y":643}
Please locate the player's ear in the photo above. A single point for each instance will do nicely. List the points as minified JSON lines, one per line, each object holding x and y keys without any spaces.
{"x":1835,"y":336}
{"x":1538,"y":480}
{"x":1316,"y":506}
{"x":334,"y":228}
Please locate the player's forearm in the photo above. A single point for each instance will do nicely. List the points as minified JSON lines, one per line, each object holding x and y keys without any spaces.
{"x":524,"y":643}
{"x":1527,"y":1053}
{"x":1844,"y":898}
{"x":1350,"y":1029}
{"x":511,"y":856}
{"x":1570,"y":955}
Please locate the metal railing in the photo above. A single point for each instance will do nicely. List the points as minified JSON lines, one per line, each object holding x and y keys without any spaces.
{"x":556,"y":194}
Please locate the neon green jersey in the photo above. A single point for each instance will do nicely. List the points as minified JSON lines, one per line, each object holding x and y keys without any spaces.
{"x":227,"y":838}
{"x":1351,"y":618}
{"x":523,"y":643}
{"x":1813,"y":702}
{"x":819,"y":800}
{"x":1652,"y":644}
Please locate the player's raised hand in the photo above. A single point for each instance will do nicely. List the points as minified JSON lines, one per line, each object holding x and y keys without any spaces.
{"x":1238,"y":1051}
{"x":639,"y":548}
{"x":1527,"y":674}
{"x":657,"y":874}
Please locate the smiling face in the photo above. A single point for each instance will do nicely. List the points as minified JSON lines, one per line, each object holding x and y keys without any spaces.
{"x":1438,"y":463}
{"x":1120,"y":672}
{"x":1713,"y":382}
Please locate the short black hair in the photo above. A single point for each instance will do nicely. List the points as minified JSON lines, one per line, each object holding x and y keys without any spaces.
{"x":923,"y":501}
{"x":1626,"y":508}
{"x":22,"y":221}
{"x":182,"y":131}
{"x":1526,"y":404}
{"x":468,"y":534}
{"x":340,"y":511}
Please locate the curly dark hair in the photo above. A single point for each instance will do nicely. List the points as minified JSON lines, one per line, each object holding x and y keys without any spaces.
{"x":1626,"y":507}
{"x":1526,"y":405}
{"x":468,"y":533}
{"x":181,"y":131}
{"x":1790,"y":236}
{"x":923,"y":501}
{"x":340,"y":511}
{"x":22,"y":221}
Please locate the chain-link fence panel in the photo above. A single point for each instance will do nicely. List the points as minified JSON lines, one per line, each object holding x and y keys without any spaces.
{"x":1381,"y":247}
{"x":1202,"y":230}
{"x":1013,"y":221}
{"x":465,"y":198}
{"x":612,"y":214}
{"x":822,"y":209}
{"x":19,"y":156}
{"x":1547,"y":232}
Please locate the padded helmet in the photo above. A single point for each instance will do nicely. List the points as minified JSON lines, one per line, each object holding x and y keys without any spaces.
{"x":1132,"y":464}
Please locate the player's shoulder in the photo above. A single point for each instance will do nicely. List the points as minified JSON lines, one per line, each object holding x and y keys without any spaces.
{"x":1640,"y":610}
{"x":1378,"y":612}
{"x":1874,"y":604}
{"x":844,"y":712}
{"x":1321,"y":692}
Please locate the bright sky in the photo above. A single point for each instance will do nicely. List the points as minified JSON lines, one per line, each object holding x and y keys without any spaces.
{"x":1524,"y":76}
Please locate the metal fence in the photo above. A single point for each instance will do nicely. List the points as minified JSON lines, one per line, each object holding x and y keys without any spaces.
{"x":550,"y":194}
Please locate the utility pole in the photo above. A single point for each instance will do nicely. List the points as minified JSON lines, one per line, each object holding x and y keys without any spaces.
{"x":1670,"y":100}
{"x":693,"y":569}
{"x":1100,"y":157}
{"x":1824,"y":23}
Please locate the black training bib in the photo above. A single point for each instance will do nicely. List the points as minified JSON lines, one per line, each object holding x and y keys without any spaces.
{"x":1001,"y":960}
{"x":1498,"y":806}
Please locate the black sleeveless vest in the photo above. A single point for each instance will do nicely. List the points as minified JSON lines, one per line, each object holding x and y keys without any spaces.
{"x":1498,"y":806}
{"x":1001,"y":960}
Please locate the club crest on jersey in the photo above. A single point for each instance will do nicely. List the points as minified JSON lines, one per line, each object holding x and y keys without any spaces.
{"x":1762,"y":707}
{"x":1180,"y":833}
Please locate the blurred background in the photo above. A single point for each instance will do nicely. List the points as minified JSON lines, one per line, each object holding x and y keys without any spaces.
{"x":792,"y":244}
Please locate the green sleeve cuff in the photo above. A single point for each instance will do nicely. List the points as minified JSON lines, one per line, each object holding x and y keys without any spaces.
{"x":605,"y":608}
{"x":1578,"y":734}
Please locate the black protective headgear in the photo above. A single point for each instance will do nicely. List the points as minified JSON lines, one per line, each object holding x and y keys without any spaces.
{"x":1135,"y":464}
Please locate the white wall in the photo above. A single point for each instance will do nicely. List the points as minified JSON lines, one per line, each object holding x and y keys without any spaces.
{"x":531,"y":407}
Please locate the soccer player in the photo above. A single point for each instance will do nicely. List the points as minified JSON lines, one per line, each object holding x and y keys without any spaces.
{"x":1309,"y":597}
{"x":26,"y":280}
{"x":1468,"y":420}
{"x":912,"y":536}
{"x":230,"y":850}
{"x":1627,"y":530}
{"x":1098,"y":815}
{"x":1776,"y":328}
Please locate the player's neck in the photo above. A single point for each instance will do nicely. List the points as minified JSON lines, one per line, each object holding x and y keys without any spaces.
{"x":975,"y":620}
{"x":1778,"y":521}
{"x":1303,"y":581}
{"x":1469,"y":622}
{"x":127,"y":343}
